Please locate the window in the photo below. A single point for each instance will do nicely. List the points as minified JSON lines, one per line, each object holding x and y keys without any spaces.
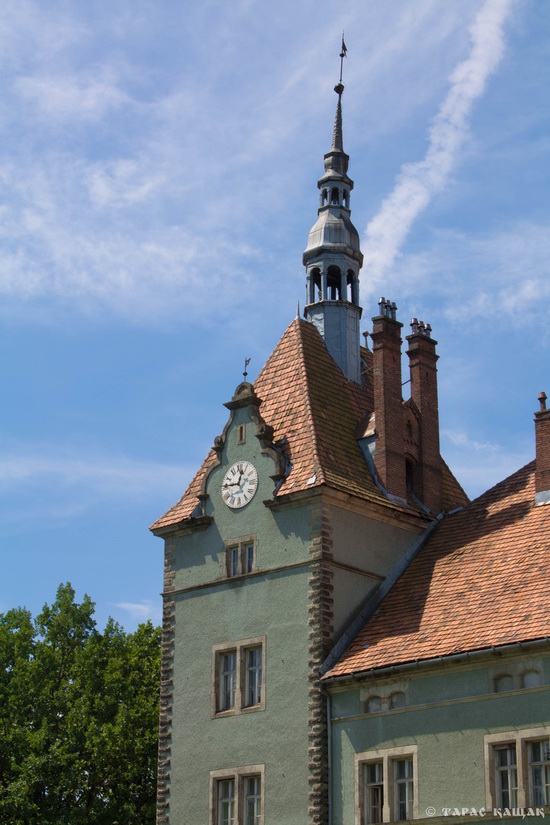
{"x":226,"y":802}
{"x":539,"y":772}
{"x":227,"y":680}
{"x":385,"y":696}
{"x":240,"y":556}
{"x":517,"y":676}
{"x":530,"y":679}
{"x":236,"y":796}
{"x":374,"y":793}
{"x":506,"y":776}
{"x":397,"y":700}
{"x":241,"y":434}
{"x":238,"y":677}
{"x":517,"y":768}
{"x":504,"y":682}
{"x":404,"y":789}
{"x":387,"y":785}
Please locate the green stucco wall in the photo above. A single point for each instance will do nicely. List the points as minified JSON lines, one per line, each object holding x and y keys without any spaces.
{"x":448,"y":713}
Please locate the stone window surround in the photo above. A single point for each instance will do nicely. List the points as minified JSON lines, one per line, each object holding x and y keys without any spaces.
{"x":519,"y":738}
{"x":387,"y":756}
{"x":240,"y":647}
{"x":241,"y":542}
{"x":384,"y":693}
{"x":516,"y":670}
{"x":238,"y":775}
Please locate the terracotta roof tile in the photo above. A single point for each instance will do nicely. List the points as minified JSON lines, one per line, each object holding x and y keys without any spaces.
{"x":480,"y":581}
{"x":310,"y":404}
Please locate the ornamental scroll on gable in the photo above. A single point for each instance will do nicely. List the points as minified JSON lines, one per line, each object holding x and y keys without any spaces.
{"x":245,"y":398}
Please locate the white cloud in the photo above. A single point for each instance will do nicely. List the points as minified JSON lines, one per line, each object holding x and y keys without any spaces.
{"x":86,"y":97}
{"x":141,"y":611}
{"x":98,"y":474}
{"x":418,"y":182}
{"x":479,"y":465}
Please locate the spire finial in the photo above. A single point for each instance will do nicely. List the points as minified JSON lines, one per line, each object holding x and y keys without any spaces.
{"x":343,"y":53}
{"x":337,"y":138}
{"x":246,"y":363}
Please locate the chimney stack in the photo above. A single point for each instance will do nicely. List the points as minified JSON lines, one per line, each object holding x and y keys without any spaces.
{"x":542,"y":441}
{"x":389,"y":457}
{"x":422,"y":362}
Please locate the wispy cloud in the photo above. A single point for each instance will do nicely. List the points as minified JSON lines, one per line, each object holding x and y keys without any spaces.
{"x":481,"y":464}
{"x":419,"y":182}
{"x":141,"y":611}
{"x":100,"y":474}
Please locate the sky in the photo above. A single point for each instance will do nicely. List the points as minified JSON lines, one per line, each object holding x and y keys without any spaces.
{"x":158,"y":179}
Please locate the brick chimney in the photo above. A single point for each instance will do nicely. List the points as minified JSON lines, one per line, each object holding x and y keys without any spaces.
{"x":389,"y":456}
{"x":422,"y":362}
{"x":542,"y":441}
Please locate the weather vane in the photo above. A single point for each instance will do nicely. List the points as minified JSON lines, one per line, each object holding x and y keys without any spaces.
{"x":246,"y":363}
{"x":343,"y":54}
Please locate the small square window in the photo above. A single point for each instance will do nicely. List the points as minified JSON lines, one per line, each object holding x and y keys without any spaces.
{"x":240,"y":557}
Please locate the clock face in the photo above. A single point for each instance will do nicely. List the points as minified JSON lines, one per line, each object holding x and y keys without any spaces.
{"x":239,"y":484}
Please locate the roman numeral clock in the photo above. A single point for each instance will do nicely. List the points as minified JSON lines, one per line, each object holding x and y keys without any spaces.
{"x":239,"y":484}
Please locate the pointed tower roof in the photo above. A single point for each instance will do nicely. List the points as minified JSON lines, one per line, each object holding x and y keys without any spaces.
{"x":315,"y":413}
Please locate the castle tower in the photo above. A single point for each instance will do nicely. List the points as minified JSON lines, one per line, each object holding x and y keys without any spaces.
{"x":333,"y":259}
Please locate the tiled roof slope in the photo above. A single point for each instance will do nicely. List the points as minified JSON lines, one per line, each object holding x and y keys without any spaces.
{"x":311,"y":405}
{"x":480,"y":581}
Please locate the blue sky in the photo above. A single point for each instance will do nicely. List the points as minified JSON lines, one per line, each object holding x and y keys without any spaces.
{"x":158,"y":169}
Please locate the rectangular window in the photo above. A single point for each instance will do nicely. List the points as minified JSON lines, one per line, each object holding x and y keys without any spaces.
{"x":252,"y":800}
{"x":227,"y":680}
{"x":506,"y":776}
{"x":374,"y":793}
{"x":386,"y":780}
{"x":226,"y":802}
{"x":238,"y":673}
{"x":253,"y":677}
{"x":539,"y":772}
{"x":240,"y":557}
{"x":403,"y":789}
{"x":236,"y":796}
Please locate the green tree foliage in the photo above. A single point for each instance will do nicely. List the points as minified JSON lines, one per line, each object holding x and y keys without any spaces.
{"x":78,"y":717}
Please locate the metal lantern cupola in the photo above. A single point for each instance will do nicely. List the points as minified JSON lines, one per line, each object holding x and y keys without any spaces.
{"x":333,"y":257}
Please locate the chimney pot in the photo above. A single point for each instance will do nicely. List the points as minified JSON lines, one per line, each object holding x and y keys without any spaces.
{"x":542,"y":400}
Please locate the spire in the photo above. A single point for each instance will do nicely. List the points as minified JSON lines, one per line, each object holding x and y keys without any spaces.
{"x":337,"y":138}
{"x":333,"y":256}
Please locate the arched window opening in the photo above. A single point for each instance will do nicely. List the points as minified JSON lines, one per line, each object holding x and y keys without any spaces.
{"x":410,"y":470}
{"x":352,"y":285}
{"x":346,"y":198}
{"x":397,"y":699}
{"x":324,"y":197}
{"x":335,"y":196}
{"x":334,"y":284}
{"x":373,"y":704}
{"x":530,"y":679}
{"x":504,"y":682}
{"x":315,"y":285}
